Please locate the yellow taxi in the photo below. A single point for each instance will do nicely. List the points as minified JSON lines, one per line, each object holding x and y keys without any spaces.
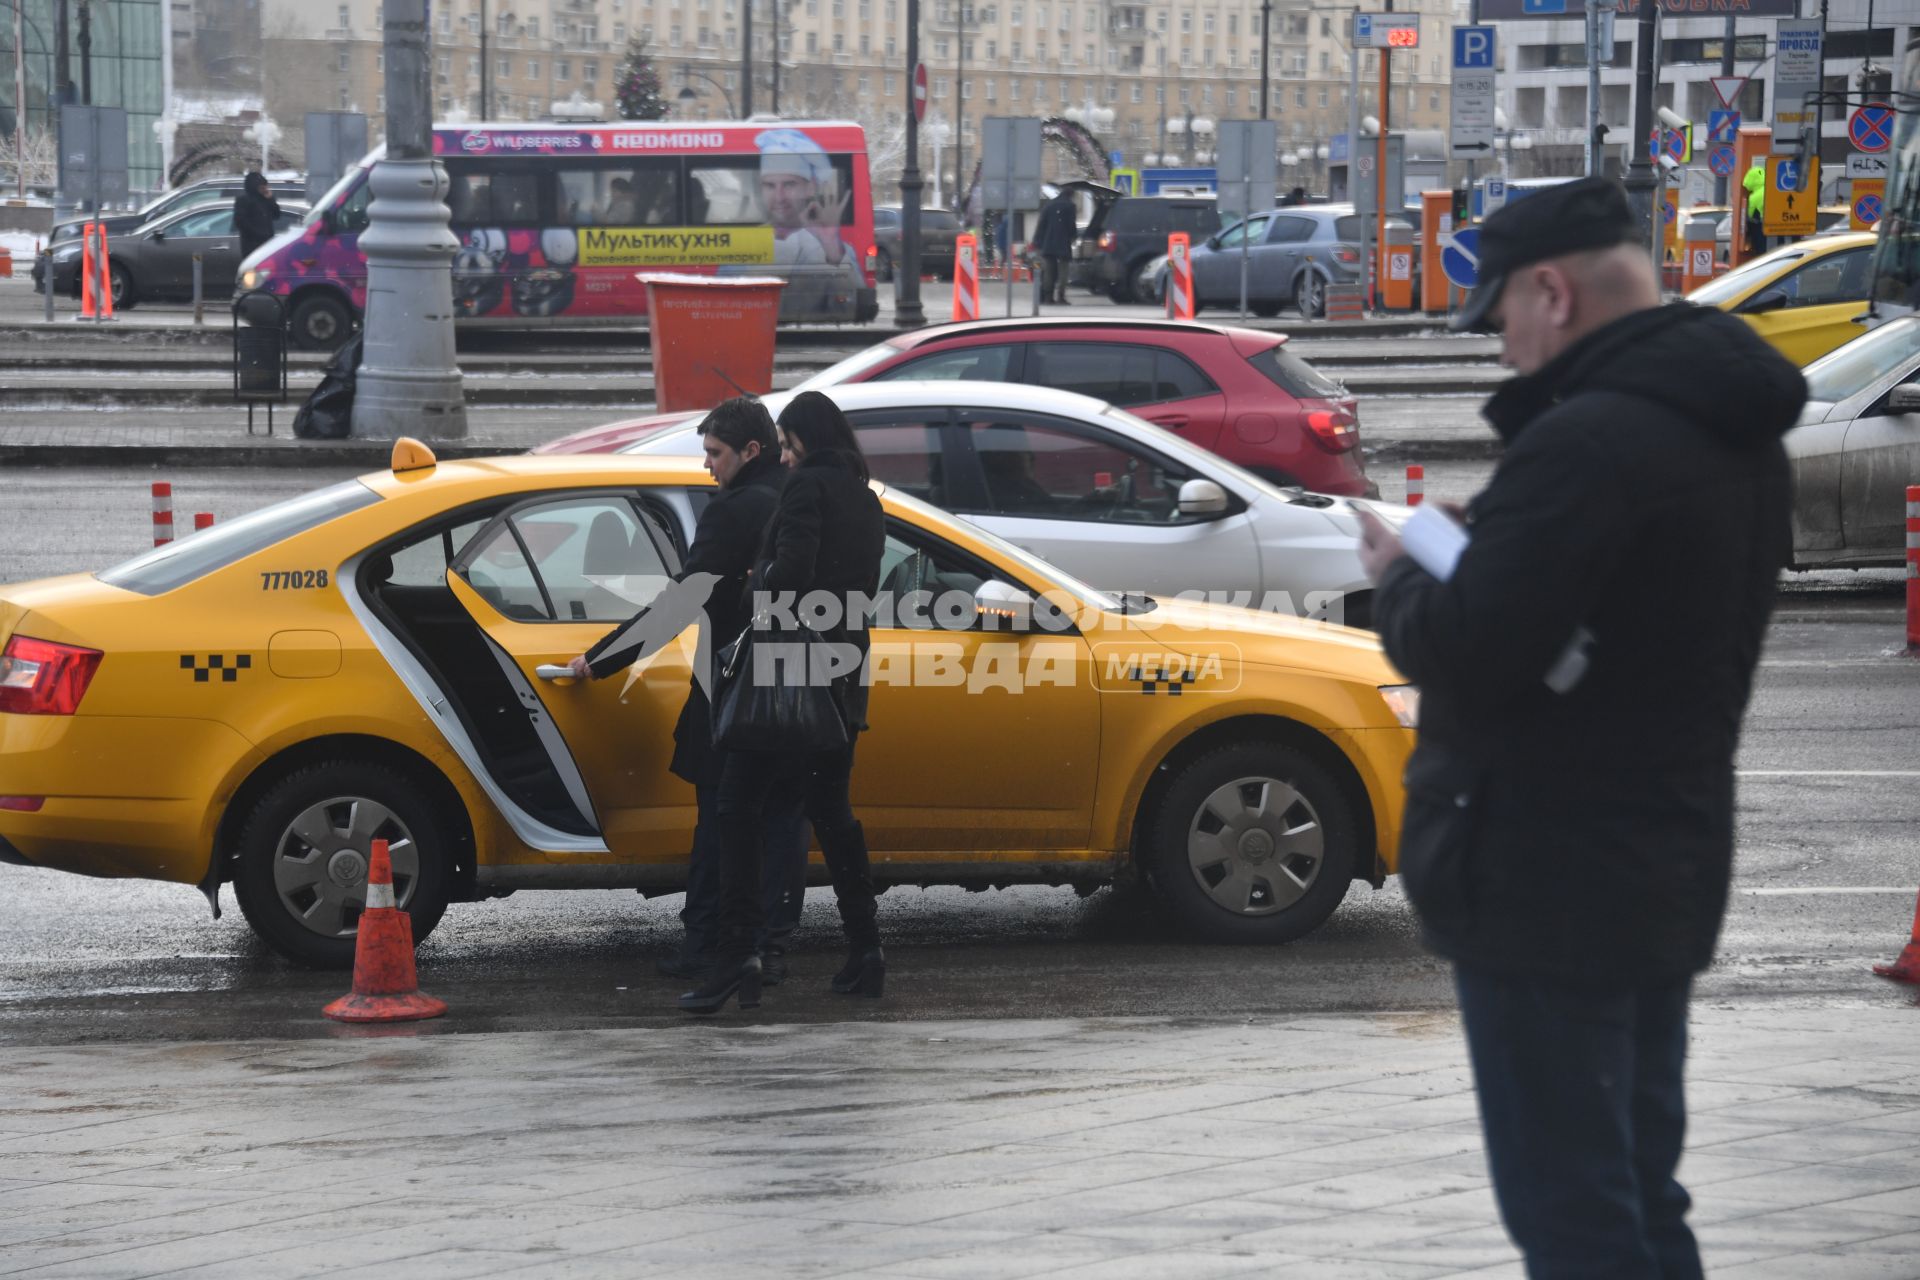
{"x":384,"y":658}
{"x":1805,"y":298}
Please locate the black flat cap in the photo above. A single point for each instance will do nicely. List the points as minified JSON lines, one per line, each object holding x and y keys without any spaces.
{"x":1587,"y":213}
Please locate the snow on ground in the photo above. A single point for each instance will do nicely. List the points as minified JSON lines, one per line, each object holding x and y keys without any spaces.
{"x":22,"y":245}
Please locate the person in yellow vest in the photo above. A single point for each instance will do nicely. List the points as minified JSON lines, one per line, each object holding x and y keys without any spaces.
{"x":1756,"y":186}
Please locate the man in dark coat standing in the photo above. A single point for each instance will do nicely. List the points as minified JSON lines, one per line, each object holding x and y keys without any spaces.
{"x":743,"y":455}
{"x":1583,"y":668}
{"x":1053,"y":238}
{"x":255,"y":212}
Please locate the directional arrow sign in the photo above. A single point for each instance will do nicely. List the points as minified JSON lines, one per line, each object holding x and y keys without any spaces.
{"x":1460,"y":257}
{"x":1472,"y":117}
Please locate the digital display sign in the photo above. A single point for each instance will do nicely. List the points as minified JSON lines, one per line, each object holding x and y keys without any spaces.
{"x":1403,"y":38}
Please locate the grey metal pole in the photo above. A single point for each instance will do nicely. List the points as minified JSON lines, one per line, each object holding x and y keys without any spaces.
{"x":486,"y":83}
{"x":1246,"y":203}
{"x":20,"y":101}
{"x":1353,"y":118}
{"x":199,"y":290}
{"x":1819,"y":114}
{"x":907,"y":311}
{"x":1641,"y":179}
{"x":1721,"y":186}
{"x":409,"y":383}
{"x":1266,"y":55}
{"x":746,"y":59}
{"x":1473,"y":17}
{"x":46,"y":274}
{"x":86,"y":51}
{"x":960,"y":112}
{"x":1593,"y":86}
{"x":1006,"y":259}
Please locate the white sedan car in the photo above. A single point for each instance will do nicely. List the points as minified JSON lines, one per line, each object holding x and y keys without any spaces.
{"x":1106,"y":496}
{"x":1856,"y":449}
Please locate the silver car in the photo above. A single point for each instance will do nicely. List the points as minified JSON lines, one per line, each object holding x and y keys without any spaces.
{"x":1856,"y":449}
{"x":1293,"y":254}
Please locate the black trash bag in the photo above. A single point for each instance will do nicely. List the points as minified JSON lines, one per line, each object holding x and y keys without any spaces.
{"x":327,"y":413}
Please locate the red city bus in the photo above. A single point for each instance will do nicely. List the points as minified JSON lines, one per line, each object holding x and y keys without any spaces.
{"x":555,"y":222}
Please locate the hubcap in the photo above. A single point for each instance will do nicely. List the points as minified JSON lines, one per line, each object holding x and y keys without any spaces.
{"x":1255,"y":846}
{"x":320,"y":862}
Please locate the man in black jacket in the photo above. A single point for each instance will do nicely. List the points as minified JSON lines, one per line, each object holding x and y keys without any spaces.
{"x":1583,"y":670}
{"x":255,"y":212}
{"x":1054,"y":239}
{"x":744,"y":457}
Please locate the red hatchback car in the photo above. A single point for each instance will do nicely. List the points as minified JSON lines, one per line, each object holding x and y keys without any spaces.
{"x":1238,"y":392}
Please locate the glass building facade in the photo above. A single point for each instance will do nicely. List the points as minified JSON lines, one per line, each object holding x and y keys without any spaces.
{"x":126,"y":67}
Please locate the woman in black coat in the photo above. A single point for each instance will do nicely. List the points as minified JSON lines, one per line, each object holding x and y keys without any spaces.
{"x":827,"y":535}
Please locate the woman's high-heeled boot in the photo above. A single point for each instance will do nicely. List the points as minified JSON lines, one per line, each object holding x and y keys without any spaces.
{"x":845,"y":850}
{"x":731,"y":977}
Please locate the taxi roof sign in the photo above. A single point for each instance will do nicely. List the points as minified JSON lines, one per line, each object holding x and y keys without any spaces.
{"x":412,"y":455}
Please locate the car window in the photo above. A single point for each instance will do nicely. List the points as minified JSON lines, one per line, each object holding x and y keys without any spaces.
{"x":972,"y":364}
{"x":351,"y":217}
{"x":1837,"y":277}
{"x":1288,"y":229}
{"x":904,"y":455}
{"x":1116,"y":372}
{"x":1293,"y":375}
{"x":1197,"y":220}
{"x":1859,"y":364}
{"x":208,"y":222}
{"x":1177,"y":378}
{"x":1355,"y":228}
{"x":1139,"y":215}
{"x":182,"y":561}
{"x":424,"y":561}
{"x":886,"y":218}
{"x":1255,"y":226}
{"x":583,"y":559}
{"x":938,"y":220}
{"x":1044,"y":468}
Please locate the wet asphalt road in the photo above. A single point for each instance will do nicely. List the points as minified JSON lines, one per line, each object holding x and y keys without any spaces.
{"x":1829,"y":825}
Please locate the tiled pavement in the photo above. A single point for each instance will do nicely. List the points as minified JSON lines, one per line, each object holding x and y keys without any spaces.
{"x":1324,"y":1148}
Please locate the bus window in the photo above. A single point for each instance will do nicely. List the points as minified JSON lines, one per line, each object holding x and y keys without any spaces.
{"x":352,"y":216}
{"x":516,"y":198}
{"x":469,"y":198}
{"x":739,"y":191}
{"x":624,"y":195}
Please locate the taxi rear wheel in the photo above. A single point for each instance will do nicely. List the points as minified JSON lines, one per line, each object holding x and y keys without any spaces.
{"x":1254,"y":842}
{"x":301,"y":875}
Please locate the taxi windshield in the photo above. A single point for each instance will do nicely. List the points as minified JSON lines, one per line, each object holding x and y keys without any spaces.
{"x":182,"y":561}
{"x":1851,"y":369}
{"x":1736,"y":282}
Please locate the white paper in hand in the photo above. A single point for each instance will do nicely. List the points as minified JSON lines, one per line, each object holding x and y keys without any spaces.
{"x":1434,"y":540}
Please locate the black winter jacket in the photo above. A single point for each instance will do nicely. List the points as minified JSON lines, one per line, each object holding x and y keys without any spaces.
{"x":1055,"y":234}
{"x":726,"y":539}
{"x":828,"y":534}
{"x":1644,"y":495}
{"x":254,"y":215}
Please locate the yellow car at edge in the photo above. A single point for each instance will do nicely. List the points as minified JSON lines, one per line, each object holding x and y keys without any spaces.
{"x":1805,"y":298}
{"x":383,"y":658}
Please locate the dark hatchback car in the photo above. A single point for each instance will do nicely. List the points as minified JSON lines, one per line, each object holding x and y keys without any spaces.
{"x":938,"y":228}
{"x":1126,"y":233}
{"x":155,"y":261}
{"x":206,"y":191}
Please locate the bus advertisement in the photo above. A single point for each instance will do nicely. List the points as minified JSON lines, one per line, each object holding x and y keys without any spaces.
{"x":555,"y":223}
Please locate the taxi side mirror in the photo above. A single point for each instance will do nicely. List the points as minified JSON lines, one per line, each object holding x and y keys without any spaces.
{"x":1904,"y":398}
{"x":1202,"y":498}
{"x":1771,"y":300}
{"x":158,"y":235}
{"x":1003,"y":606}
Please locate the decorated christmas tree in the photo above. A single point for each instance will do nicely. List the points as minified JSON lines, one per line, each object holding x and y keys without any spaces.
{"x":636,"y":89}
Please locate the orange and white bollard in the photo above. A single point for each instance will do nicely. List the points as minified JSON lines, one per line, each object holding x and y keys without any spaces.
{"x":1179,"y":276}
{"x":162,"y":513}
{"x":202,"y":520}
{"x":1913,"y":566}
{"x":1906,"y":965}
{"x":385,"y":988}
{"x":1416,"y":485}
{"x":89,"y":309}
{"x":966,"y":278}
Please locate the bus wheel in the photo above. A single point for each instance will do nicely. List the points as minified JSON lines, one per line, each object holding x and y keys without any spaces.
{"x":320,"y":322}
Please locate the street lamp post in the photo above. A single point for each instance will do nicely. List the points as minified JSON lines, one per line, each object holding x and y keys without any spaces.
{"x":687,"y":94}
{"x":408,"y":382}
{"x":907,"y":311}
{"x":1266,"y":55}
{"x":746,"y":58}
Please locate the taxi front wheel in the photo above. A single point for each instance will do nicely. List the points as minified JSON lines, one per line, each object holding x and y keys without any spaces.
{"x":1254,"y":842}
{"x":301,"y":874}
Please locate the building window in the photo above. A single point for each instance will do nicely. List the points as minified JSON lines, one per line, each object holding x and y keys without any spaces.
{"x":590,"y":72}
{"x":866,"y":45}
{"x":533,"y":68}
{"x":563,"y":68}
{"x":673,"y":34}
{"x":380,"y":103}
{"x":866,"y":85}
{"x":1233,"y":24}
{"x":813,"y":42}
{"x":502,"y":68}
{"x":1186,"y":22}
{"x":446,"y":65}
{"x":1323,"y":61}
{"x":533,"y":28}
{"x":1066,"y":17}
{"x":344,"y":19}
{"x":941,"y":49}
{"x":990,"y":91}
{"x":993,"y":50}
{"x":1186,"y":96}
{"x":344,"y":62}
{"x":1206,"y":95}
{"x":891,"y":47}
{"x":346,"y":98}
{"x":620,"y":33}
{"x":1233,"y":96}
{"x":1299,"y":97}
{"x":1013,"y":91}
{"x":942,"y":87}
{"x":1206,"y":24}
{"x":839,"y":8}
{"x":966,"y":90}
{"x":1323,"y":97}
{"x":1206,"y":57}
{"x":380,"y":61}
{"x":1326,"y":26}
{"x":839,"y":43}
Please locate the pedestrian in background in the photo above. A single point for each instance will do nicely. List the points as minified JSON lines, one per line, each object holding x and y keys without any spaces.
{"x":828,"y":535}
{"x":1053,"y":241}
{"x":1583,"y":670}
{"x":1754,"y":183}
{"x":743,"y":456}
{"x":255,"y":212}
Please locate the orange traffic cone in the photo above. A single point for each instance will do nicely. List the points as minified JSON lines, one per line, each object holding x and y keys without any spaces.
{"x":1906,"y":968}
{"x":384,"y":987}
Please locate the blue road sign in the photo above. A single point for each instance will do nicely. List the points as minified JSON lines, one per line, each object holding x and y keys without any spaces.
{"x":1533,"y":7}
{"x":1723,"y":126}
{"x":1721,"y":161}
{"x":1473,"y":49}
{"x":1362,"y":28}
{"x":1461,"y":259}
{"x":1870,"y":128}
{"x":1867,"y":209}
{"x":1786,"y":176}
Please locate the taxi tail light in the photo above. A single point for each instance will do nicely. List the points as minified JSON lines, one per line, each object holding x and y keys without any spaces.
{"x":41,"y":678}
{"x":21,"y":804}
{"x":1335,"y":427}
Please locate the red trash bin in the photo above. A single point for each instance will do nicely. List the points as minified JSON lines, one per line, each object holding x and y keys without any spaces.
{"x":712,"y":337}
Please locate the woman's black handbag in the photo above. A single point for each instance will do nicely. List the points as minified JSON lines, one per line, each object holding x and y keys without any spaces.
{"x":783,"y":710}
